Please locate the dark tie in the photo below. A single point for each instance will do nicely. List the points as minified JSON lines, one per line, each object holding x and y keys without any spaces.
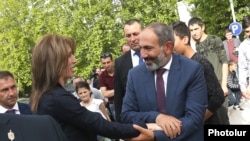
{"x":11,"y":111}
{"x":160,"y":90}
{"x":139,"y":55}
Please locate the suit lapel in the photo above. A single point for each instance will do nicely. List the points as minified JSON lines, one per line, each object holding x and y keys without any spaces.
{"x":128,"y":59}
{"x":24,"y":109}
{"x":150,"y":89}
{"x":173,"y":80}
{"x":151,"y":79}
{"x":20,"y":108}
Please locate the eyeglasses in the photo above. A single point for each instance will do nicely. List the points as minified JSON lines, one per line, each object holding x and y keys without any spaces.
{"x":106,"y":54}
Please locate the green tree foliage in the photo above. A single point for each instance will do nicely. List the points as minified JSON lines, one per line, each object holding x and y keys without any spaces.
{"x":14,"y":44}
{"x":217,"y":14}
{"x":96,"y":26}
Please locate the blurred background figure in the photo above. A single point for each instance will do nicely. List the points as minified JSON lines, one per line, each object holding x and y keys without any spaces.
{"x":94,"y":78}
{"x":106,"y":82}
{"x":231,"y":45}
{"x":244,"y":59}
{"x":92,"y":104}
{"x":124,"y":48}
{"x":234,"y":93}
{"x":95,"y":105}
{"x":95,"y":92}
{"x":76,"y":80}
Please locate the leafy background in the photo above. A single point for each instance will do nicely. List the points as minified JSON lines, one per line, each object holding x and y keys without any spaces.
{"x":96,"y":26}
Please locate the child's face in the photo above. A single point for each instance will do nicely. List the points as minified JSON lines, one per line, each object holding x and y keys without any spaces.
{"x":233,"y":67}
{"x":84,"y":94}
{"x":229,"y":35}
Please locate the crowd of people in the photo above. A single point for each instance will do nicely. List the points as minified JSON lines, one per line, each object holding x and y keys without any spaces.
{"x":169,"y":82}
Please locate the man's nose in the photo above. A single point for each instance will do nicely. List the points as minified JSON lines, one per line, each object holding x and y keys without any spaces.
{"x":132,"y":37}
{"x":11,"y":91}
{"x":143,"y":54}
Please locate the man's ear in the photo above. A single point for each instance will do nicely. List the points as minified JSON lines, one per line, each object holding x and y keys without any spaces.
{"x":203,"y":28}
{"x":169,"y":45}
{"x":185,"y":40}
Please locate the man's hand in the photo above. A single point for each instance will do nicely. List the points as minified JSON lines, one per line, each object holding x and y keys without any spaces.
{"x":145,"y":134}
{"x":170,"y":125}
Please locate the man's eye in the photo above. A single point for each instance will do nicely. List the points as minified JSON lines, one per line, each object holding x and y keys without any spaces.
{"x":128,"y":36}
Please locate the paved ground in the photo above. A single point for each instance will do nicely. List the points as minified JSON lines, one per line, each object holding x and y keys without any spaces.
{"x":240,"y":117}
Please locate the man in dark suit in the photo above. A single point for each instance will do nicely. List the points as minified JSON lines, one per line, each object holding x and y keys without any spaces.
{"x":9,"y":95}
{"x":178,"y":110}
{"x":124,"y":63}
{"x":29,"y":128}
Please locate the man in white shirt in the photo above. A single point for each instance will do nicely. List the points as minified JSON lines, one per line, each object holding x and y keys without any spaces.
{"x":124,"y":63}
{"x":9,"y":95}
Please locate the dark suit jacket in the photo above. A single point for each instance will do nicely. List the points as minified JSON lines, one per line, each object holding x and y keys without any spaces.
{"x":186,"y":98}
{"x":78,"y":123}
{"x":24,"y":108}
{"x":30,"y":128}
{"x":122,"y":65}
